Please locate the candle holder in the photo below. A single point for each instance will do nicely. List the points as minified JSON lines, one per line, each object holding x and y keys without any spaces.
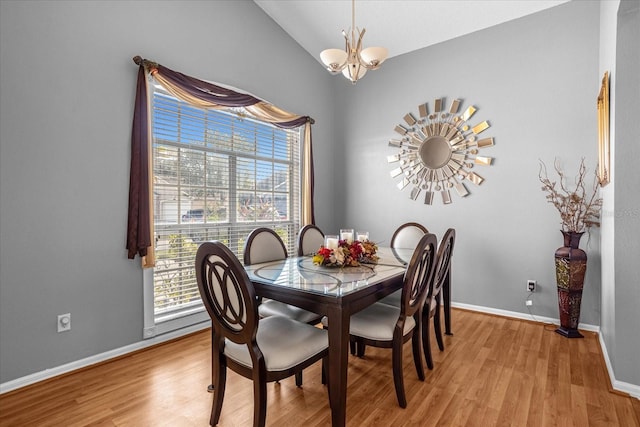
{"x":347,"y":235}
{"x":331,"y":241}
{"x":362,"y":236}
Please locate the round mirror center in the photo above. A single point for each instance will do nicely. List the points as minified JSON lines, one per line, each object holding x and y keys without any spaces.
{"x":435,"y":152}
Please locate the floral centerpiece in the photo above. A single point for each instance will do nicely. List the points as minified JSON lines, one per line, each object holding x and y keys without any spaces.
{"x":347,"y":254}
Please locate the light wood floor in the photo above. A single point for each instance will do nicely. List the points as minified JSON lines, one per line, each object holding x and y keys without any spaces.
{"x":494,"y":371}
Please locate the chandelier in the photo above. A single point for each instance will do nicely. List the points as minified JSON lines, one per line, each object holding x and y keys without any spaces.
{"x":353,"y":61}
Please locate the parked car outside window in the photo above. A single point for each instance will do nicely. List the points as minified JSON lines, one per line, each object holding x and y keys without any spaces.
{"x":193,"y":215}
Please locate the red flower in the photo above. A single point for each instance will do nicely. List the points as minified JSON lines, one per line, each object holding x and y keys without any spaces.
{"x":325,"y":252}
{"x":355,"y":249}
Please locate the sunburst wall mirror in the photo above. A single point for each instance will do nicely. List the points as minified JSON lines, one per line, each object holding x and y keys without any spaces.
{"x":438,"y":150}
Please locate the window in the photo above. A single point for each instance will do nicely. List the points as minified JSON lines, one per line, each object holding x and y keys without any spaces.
{"x":216,"y":176}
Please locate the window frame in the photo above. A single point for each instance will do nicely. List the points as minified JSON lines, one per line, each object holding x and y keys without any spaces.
{"x":193,"y":316}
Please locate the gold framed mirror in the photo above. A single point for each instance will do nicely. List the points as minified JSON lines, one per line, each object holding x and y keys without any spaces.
{"x":603,"y":132}
{"x":437,"y":151}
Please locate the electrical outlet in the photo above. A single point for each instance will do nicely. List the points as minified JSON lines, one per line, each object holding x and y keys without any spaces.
{"x":64,"y":322}
{"x":531,"y":285}
{"x":149,"y":332}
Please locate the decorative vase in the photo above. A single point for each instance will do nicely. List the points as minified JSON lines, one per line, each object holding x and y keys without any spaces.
{"x":571,"y":266}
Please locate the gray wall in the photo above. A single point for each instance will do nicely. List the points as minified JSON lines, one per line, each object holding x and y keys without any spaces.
{"x":626,"y":346}
{"x":608,"y":29}
{"x":535,"y":80}
{"x":68,"y":83}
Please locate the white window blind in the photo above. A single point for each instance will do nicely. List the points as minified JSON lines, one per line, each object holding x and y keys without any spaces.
{"x":217,"y":175}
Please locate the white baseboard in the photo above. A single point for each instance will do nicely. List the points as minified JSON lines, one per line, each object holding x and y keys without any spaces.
{"x":98,"y":358}
{"x":632,"y":389}
{"x":518,"y":315}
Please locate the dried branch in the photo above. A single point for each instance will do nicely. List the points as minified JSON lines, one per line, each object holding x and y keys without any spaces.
{"x":579,"y":209}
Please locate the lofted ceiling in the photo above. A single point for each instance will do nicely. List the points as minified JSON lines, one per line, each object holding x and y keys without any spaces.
{"x":399,"y":25}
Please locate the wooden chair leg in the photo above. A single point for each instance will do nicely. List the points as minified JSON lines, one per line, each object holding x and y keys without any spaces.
{"x":398,"y":377}
{"x":299,"y":379}
{"x":360,"y":348}
{"x":260,"y":400}
{"x":352,"y":346}
{"x":220,"y":379}
{"x":438,"y":328}
{"x":211,"y":386}
{"x":426,"y":341}
{"x":416,"y":340}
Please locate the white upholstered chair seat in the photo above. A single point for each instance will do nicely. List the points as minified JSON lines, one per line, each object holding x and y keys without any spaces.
{"x":271,"y":307}
{"x":284,"y":343}
{"x":376,"y":322}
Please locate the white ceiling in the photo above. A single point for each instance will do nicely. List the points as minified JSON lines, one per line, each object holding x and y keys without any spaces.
{"x":399,"y":25}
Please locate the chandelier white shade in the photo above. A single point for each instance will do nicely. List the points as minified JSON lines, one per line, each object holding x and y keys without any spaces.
{"x":353,"y":61}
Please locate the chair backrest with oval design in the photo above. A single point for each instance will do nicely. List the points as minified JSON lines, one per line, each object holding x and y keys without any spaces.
{"x":263,"y":245}
{"x":227,"y":292}
{"x":445,"y":252}
{"x":282,"y":347}
{"x":419,"y":274}
{"x":408,"y":235}
{"x":310,"y":239}
{"x":432,"y":302}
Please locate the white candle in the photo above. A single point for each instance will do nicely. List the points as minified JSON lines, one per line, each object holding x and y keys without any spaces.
{"x":347,"y":235}
{"x":363,"y":236}
{"x":332,"y":243}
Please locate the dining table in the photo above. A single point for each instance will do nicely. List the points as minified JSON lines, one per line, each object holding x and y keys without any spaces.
{"x":337,"y":293}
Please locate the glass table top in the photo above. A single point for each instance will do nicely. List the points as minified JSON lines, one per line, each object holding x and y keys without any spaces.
{"x":301,"y":273}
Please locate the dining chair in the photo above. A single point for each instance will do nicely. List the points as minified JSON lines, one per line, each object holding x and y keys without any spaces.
{"x":405,"y":236}
{"x":264,"y":245}
{"x":263,"y":350}
{"x":386,"y":326}
{"x":310,"y":239}
{"x":432,"y":305}
{"x":408,"y":235}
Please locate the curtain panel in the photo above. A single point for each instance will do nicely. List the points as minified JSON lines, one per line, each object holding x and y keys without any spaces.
{"x":201,"y":94}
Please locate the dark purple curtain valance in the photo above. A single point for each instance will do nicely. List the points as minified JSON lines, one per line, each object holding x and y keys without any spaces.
{"x":203,"y":90}
{"x":205,"y":95}
{"x":208,"y":95}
